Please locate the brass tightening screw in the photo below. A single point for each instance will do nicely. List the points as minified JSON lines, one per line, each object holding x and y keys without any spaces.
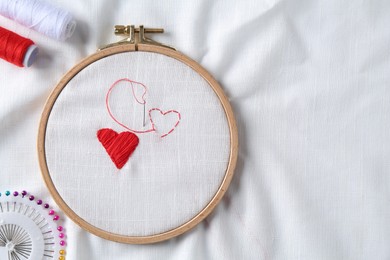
{"x":125,"y":30}
{"x":122,"y":30}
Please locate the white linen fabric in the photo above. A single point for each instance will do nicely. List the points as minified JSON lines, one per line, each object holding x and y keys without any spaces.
{"x":168,"y":180}
{"x":309,"y":84}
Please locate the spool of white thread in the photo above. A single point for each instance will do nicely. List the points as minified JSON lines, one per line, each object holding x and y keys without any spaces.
{"x":40,"y":16}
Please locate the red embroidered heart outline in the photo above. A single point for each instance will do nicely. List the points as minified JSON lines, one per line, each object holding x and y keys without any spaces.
{"x":164,"y":113}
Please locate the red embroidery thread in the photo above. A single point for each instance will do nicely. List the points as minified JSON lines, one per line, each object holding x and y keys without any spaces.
{"x":143,"y":102}
{"x":140,"y":102}
{"x":118,"y":146}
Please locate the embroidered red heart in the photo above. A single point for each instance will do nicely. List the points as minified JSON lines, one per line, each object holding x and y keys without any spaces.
{"x":118,"y":146}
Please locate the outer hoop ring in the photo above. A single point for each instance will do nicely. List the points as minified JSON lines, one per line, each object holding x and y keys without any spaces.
{"x":205,"y":211}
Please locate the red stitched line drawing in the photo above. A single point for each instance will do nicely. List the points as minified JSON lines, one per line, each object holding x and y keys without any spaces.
{"x":143,"y":102}
{"x":164,"y":113}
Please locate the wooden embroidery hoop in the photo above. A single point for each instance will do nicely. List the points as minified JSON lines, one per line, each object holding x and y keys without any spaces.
{"x":136,"y":41}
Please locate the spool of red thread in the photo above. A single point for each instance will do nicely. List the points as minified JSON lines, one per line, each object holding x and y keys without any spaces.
{"x":16,"y":49}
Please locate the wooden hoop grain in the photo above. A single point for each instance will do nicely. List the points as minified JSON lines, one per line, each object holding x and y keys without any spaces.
{"x":178,"y":230}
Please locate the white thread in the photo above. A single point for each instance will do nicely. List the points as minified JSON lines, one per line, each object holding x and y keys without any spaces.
{"x":40,"y":16}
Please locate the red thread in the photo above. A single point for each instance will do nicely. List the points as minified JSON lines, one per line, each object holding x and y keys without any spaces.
{"x":118,"y":146}
{"x":143,"y":102}
{"x":13,"y":47}
{"x":164,"y":113}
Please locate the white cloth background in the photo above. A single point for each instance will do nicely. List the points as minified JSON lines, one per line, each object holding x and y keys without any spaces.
{"x":309,"y":83}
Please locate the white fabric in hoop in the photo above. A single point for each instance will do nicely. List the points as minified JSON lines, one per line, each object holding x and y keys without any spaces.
{"x":167,"y":181}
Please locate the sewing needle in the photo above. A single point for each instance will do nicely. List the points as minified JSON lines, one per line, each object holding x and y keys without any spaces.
{"x":144,"y":112}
